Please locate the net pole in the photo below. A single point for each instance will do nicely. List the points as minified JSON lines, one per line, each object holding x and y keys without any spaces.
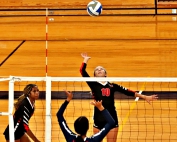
{"x":48,"y":121}
{"x":48,"y":91}
{"x":11,"y":100}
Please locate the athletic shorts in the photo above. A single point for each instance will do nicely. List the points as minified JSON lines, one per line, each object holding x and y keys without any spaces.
{"x":100,"y":124}
{"x":18,"y":134}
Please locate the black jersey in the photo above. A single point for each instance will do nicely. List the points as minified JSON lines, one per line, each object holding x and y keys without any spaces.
{"x":70,"y":136}
{"x":21,"y":118}
{"x":104,"y":92}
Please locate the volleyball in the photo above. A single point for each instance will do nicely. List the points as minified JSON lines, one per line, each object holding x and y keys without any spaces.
{"x":94,"y":8}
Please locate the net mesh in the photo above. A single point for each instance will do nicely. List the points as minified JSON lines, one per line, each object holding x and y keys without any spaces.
{"x":138,"y":121}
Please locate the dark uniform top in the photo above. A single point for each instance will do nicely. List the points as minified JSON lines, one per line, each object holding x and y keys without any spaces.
{"x":21,"y":118}
{"x":104,"y":92}
{"x":70,"y":136}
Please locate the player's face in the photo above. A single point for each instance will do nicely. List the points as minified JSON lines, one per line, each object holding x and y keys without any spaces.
{"x":34,"y":94}
{"x":100,"y":72}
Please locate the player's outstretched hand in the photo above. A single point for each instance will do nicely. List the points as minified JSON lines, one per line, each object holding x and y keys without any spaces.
{"x":151,"y":98}
{"x":69,"y":95}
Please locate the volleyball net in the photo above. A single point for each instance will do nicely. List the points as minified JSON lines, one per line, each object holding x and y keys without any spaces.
{"x":138,"y":121}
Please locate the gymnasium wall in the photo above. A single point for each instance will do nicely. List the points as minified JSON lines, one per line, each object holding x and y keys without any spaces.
{"x":71,"y":3}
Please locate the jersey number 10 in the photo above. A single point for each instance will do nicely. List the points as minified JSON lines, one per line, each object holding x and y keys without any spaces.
{"x":105,"y":92}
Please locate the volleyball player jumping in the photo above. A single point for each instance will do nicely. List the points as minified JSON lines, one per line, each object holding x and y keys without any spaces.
{"x":105,"y":91}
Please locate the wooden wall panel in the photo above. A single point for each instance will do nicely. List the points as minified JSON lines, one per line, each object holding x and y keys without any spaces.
{"x":126,"y":46}
{"x":71,"y":3}
{"x":78,"y":28}
{"x":120,"y":58}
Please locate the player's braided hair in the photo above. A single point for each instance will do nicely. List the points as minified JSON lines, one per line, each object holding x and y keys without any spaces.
{"x":26,"y":93}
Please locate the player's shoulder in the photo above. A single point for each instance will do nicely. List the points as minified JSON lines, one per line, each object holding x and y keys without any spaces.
{"x":25,"y":104}
{"x":111,"y":84}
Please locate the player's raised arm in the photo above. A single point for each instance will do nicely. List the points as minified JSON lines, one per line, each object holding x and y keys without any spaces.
{"x":61,"y":120}
{"x":84,"y":65}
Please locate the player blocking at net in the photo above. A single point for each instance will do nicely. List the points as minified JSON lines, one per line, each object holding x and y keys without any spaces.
{"x":81,"y":124}
{"x":105,"y":91}
{"x":24,"y":109}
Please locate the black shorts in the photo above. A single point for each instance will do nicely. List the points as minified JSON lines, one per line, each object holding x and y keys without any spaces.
{"x":99,"y":124}
{"x":18,"y":134}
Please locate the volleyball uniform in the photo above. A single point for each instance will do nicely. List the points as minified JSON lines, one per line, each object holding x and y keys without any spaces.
{"x":104,"y":92}
{"x":71,"y":137}
{"x":21,"y":118}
